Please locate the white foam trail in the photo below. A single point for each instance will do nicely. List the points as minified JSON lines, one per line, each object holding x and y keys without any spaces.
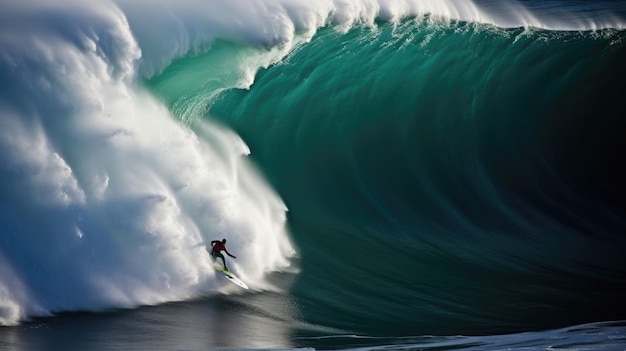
{"x":105,"y":196}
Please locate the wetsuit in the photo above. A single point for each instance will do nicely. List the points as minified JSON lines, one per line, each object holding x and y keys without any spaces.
{"x":218,"y":246}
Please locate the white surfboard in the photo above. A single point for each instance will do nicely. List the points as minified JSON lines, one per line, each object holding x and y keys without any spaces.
{"x":230,"y":276}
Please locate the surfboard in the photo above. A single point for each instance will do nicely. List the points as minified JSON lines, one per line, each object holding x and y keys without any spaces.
{"x":230,"y":276}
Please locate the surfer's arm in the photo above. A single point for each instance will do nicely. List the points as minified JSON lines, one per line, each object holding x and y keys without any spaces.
{"x":228,"y":253}
{"x":214,"y":242}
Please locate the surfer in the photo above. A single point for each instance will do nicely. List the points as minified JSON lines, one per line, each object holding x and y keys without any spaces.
{"x":219,"y":246}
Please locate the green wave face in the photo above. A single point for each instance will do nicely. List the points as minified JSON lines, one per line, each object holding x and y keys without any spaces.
{"x":439,"y":175}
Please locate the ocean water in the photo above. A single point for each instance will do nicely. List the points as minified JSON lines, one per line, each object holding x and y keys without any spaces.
{"x":390,"y":174}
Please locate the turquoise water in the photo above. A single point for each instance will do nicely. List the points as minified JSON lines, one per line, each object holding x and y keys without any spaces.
{"x":441,"y":177}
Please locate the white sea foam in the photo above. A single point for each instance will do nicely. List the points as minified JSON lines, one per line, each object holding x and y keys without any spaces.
{"x":106,"y":199}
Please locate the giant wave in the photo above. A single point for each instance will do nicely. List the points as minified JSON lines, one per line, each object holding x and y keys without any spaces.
{"x":124,"y":149}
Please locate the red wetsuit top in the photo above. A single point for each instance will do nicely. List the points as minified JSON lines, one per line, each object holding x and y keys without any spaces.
{"x":218,"y":246}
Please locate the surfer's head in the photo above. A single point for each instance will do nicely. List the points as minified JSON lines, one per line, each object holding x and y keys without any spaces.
{"x":223,"y":241}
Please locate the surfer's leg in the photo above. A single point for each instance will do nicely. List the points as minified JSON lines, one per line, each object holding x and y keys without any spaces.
{"x":215,"y":255}
{"x":223,"y":260}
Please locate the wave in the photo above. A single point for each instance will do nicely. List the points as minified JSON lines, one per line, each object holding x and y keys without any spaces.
{"x":109,"y":192}
{"x":443,"y":177}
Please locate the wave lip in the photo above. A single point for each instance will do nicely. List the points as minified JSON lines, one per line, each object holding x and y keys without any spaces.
{"x":174,"y":30}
